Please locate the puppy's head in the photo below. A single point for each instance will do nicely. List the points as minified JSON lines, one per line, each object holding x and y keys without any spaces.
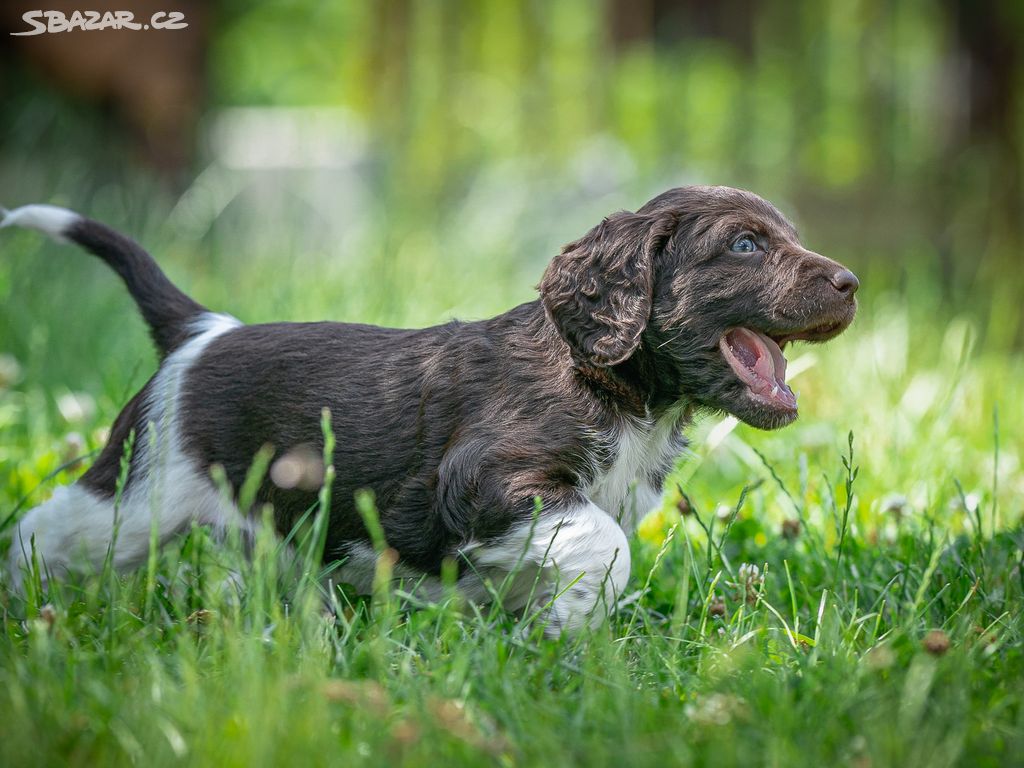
{"x":707,"y":285}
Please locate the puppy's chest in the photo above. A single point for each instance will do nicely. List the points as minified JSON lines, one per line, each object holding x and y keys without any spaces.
{"x":631,"y":466}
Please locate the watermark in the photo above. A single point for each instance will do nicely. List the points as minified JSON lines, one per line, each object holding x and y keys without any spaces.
{"x":50,"y":22}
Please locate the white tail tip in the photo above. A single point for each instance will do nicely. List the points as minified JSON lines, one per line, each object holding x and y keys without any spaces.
{"x":48,"y":219}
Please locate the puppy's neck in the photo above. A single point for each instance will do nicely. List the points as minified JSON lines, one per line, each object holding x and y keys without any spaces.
{"x":644,"y":384}
{"x":612,"y":388}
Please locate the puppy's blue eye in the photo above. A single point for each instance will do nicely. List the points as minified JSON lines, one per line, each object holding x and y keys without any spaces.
{"x":744,"y":244}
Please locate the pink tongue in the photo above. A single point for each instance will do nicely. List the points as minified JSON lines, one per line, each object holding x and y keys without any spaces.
{"x":751,"y":350}
{"x":759,"y":363}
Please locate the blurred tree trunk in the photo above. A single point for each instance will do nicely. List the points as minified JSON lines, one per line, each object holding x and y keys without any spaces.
{"x":985,"y":65}
{"x":671,"y":21}
{"x":389,"y":64}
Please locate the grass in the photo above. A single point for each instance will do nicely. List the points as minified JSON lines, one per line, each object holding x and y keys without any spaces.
{"x":847,"y":591}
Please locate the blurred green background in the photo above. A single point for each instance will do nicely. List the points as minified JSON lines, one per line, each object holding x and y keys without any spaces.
{"x":404,"y":163}
{"x":892,"y":131}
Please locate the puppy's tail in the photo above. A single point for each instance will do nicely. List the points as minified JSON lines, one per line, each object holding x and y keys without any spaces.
{"x":169,"y":312}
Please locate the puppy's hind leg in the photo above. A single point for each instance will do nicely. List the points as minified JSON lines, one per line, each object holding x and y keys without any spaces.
{"x":76,"y":524}
{"x":165,"y":490}
{"x":71,"y":531}
{"x":80,"y":526}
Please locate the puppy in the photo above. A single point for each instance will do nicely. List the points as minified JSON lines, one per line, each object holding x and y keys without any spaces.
{"x":574,"y":403}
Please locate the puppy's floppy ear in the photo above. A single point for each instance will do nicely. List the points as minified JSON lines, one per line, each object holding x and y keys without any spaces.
{"x":598,"y":290}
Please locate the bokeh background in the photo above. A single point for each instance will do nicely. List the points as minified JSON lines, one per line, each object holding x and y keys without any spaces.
{"x":408,"y":162}
{"x":891,"y":131}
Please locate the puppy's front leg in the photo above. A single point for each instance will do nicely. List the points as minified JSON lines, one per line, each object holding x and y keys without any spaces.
{"x":574,"y":560}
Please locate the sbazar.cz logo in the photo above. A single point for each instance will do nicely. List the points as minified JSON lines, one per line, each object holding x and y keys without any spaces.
{"x":42,"y":22}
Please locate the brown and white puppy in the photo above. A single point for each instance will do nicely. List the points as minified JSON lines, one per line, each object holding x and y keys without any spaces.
{"x":578,"y":398}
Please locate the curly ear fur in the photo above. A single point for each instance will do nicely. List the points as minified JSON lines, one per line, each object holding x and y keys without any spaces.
{"x":597,"y":291}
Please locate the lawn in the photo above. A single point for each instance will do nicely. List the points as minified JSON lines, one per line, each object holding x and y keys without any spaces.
{"x":846,"y":591}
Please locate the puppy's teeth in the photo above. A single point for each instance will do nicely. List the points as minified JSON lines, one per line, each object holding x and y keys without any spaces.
{"x":775,"y":390}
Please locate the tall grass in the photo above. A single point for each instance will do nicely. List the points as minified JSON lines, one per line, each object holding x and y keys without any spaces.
{"x":847,"y":591}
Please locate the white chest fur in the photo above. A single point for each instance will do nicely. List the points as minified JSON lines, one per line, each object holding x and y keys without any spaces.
{"x":642,"y":450}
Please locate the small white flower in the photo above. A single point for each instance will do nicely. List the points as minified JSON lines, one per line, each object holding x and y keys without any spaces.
{"x":715,"y":709}
{"x":748,"y":573}
{"x":895,"y":504}
{"x":10,"y":371}
{"x":74,"y":447}
{"x":76,"y":407}
{"x":302,"y":467}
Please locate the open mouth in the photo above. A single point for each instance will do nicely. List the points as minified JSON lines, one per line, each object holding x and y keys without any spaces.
{"x":758,"y":362}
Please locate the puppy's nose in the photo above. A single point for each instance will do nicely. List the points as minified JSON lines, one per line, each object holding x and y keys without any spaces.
{"x":845,"y":281}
